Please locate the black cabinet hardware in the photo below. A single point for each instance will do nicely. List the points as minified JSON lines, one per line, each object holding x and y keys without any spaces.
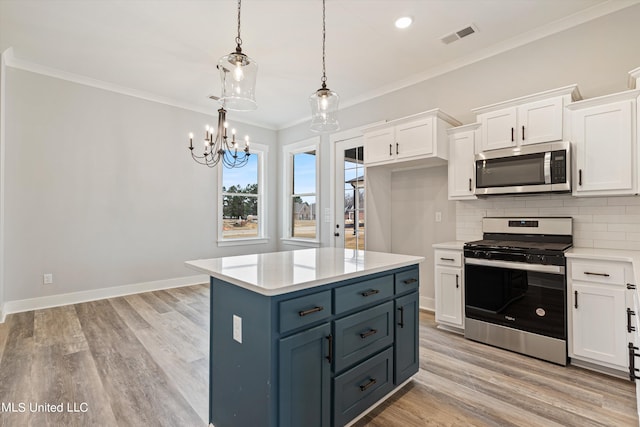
{"x":401,"y":323}
{"x":368,"y":333}
{"x":370,"y":292}
{"x":457,"y":281}
{"x":446,"y":259}
{"x":470,"y":189}
{"x":523,"y":133}
{"x":310,"y":311}
{"x":410,"y":281}
{"x":390,"y":153}
{"x":512,"y":135}
{"x":629,"y":314}
{"x":575,"y":300}
{"x":631,"y":286}
{"x":588,"y":273}
{"x":330,"y":355}
{"x":397,"y":148}
{"x":579,"y":176}
{"x":632,"y":362}
{"x":371,"y":382}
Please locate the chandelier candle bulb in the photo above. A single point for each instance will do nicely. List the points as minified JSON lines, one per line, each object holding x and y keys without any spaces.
{"x":190,"y":140}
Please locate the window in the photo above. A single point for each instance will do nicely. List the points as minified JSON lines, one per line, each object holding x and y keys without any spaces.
{"x":241,"y":210}
{"x":301,"y":180}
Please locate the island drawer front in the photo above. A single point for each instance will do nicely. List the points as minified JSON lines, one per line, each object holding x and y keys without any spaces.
{"x":364,"y":293}
{"x":305,"y":310}
{"x":407,"y":280}
{"x":600,"y":272}
{"x":360,"y":387}
{"x":362,"y":334}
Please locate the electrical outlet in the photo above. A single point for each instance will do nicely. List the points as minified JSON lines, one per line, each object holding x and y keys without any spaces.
{"x":438,"y":216}
{"x":47,"y":279}
{"x":237,"y":328}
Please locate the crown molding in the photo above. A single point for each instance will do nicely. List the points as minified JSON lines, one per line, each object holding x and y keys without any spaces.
{"x":14,"y":62}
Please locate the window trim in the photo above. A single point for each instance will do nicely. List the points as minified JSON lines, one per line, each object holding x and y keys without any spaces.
{"x":262,"y":151}
{"x":288,"y":151}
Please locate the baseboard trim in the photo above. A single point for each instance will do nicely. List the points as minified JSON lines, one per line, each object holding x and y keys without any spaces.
{"x":427,"y":304}
{"x":39,"y":303}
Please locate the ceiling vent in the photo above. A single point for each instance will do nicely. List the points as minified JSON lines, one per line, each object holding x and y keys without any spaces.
{"x":467,"y":31}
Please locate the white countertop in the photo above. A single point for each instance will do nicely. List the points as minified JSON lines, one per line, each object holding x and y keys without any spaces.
{"x":456,"y":245}
{"x":278,"y":273}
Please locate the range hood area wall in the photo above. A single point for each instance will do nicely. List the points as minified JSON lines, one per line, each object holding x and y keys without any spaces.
{"x":598,"y":222}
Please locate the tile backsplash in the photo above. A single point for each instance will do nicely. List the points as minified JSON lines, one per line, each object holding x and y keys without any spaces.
{"x":598,"y":222}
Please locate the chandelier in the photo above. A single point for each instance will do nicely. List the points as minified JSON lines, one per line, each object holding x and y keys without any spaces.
{"x":324,"y":101}
{"x":238,"y":75}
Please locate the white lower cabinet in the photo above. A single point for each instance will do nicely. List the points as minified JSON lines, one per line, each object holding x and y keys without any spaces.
{"x":597,"y":306}
{"x":449,"y":288}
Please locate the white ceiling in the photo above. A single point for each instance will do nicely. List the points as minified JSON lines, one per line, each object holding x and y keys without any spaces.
{"x":169,"y":49}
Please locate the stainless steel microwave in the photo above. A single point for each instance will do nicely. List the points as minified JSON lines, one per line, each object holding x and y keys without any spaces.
{"x":538,"y":168}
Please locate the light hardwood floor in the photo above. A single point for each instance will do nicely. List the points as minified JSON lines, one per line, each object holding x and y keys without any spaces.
{"x":142,"y":360}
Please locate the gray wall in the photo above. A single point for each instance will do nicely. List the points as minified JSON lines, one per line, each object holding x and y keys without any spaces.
{"x":101,"y":190}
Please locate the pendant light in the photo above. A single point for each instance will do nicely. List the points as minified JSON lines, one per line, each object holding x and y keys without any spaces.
{"x":324,"y":101}
{"x":238,"y":74}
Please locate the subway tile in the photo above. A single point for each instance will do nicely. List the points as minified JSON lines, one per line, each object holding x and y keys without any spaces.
{"x":560,"y":211}
{"x":632,"y":209}
{"x":615,"y":244}
{"x":582,"y":243}
{"x":620,"y":219}
{"x":624,"y":227}
{"x":590,"y":226}
{"x":601,"y":235}
{"x":585,"y":201}
{"x":544,"y":203}
{"x":603,"y":210}
{"x":635,"y":237}
{"x":623,"y":201}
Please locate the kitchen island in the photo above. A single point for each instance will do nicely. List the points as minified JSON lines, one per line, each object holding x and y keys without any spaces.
{"x":312,"y":337}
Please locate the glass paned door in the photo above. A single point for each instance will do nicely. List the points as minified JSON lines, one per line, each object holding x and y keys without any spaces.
{"x":349,"y":229}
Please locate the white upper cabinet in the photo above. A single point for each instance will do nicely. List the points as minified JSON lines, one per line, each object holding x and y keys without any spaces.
{"x":414,"y":138}
{"x":531,"y":119}
{"x":462,"y":142}
{"x":605,"y":145}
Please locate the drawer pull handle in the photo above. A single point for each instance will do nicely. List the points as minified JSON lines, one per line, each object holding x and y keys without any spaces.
{"x":310,"y":311}
{"x":470,"y":189}
{"x":410,"y":281}
{"x":390,"y":150}
{"x":370,"y":292}
{"x":368,"y":333}
{"x":457,"y":281}
{"x":588,"y":273}
{"x":629,"y":314}
{"x":371,"y":382}
{"x":330,"y":356}
{"x":631,"y":286}
{"x":447,"y":259}
{"x":575,"y":301}
{"x":401,"y":323}
{"x":512,"y":139}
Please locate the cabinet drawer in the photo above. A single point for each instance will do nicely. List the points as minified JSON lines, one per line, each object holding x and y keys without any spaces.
{"x":449,"y":258}
{"x":407,"y":280}
{"x":363,"y":334}
{"x":360,"y":387}
{"x":305,"y":310}
{"x":598,"y":272}
{"x":363,"y":293}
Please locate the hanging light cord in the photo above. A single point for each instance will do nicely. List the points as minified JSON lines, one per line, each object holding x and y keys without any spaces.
{"x":238,"y":39}
{"x":324,"y":36}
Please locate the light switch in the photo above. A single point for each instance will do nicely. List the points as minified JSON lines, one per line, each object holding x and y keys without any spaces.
{"x":438,"y":216}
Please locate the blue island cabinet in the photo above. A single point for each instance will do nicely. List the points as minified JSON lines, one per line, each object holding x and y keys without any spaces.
{"x":315,"y":357}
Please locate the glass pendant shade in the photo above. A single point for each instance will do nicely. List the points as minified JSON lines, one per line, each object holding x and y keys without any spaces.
{"x":324,"y":109}
{"x":238,"y":77}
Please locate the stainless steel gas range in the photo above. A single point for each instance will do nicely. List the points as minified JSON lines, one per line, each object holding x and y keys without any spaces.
{"x":516,"y":288}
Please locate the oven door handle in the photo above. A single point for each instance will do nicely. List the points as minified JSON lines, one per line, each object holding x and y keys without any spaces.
{"x":547,"y":167}
{"x":553,"y":269}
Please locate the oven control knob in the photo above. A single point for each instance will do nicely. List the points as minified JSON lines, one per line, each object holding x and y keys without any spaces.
{"x":543,"y":259}
{"x":529,"y":258}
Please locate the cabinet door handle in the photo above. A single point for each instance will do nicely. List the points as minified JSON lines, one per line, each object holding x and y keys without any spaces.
{"x":401,"y":322}
{"x":370,"y":292}
{"x":457,"y":281}
{"x":512,"y":138}
{"x":371,"y":382}
{"x":447,"y":259}
{"x":390,"y":153}
{"x":410,"y":281}
{"x":470,"y":189}
{"x":397,"y":148}
{"x":330,"y":355}
{"x":523,"y":132}
{"x":632,"y":362}
{"x":575,"y":299}
{"x":629,"y":314}
{"x":588,"y":273}
{"x":310,"y":311}
{"x":368,"y":333}
{"x":580,"y":177}
{"x":631,"y":286}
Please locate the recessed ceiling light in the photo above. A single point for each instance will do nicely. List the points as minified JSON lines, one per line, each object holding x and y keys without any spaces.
{"x":403,"y":22}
